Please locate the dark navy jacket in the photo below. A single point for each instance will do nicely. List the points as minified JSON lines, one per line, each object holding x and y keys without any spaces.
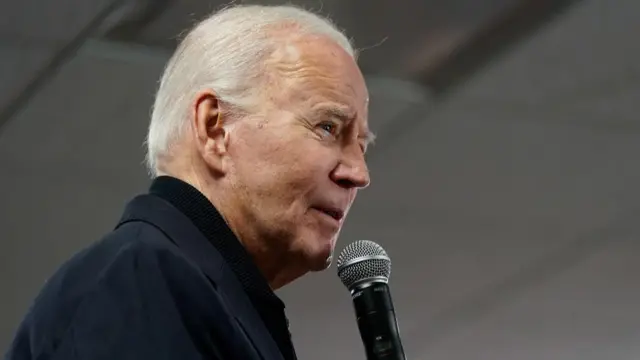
{"x":154,"y":288}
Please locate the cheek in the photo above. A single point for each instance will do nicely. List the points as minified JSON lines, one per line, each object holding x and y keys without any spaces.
{"x":277,"y":165}
{"x":312,"y":162}
{"x":269,"y":170}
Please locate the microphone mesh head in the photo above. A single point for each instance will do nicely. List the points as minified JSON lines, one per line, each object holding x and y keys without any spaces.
{"x":361,"y":261}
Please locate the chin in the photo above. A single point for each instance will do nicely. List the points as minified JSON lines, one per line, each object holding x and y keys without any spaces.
{"x":321,"y":264}
{"x":321,"y":258}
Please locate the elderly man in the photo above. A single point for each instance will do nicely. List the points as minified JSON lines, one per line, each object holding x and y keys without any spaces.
{"x":256,"y":144}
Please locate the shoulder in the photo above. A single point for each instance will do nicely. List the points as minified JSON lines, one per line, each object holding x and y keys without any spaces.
{"x":134,"y":246}
{"x":134,"y":261}
{"x":133,"y":285}
{"x":132,"y":250}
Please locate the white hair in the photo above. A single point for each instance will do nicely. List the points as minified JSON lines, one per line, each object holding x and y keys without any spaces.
{"x":225,"y":53}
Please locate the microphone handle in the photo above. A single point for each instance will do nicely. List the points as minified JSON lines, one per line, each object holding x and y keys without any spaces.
{"x":377,"y":323}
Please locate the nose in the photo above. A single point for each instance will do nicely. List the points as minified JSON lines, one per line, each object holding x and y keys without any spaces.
{"x":352,"y":172}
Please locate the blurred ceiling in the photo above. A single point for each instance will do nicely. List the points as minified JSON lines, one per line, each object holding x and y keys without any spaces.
{"x":406,"y":40}
{"x":433,"y":41}
{"x":391,"y":35}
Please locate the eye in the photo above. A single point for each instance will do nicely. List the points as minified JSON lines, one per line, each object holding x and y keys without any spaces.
{"x":329,"y":128}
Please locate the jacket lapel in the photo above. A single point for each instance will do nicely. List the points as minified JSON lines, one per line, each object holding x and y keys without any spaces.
{"x":162,"y":215}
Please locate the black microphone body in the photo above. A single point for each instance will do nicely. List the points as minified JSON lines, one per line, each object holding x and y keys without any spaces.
{"x":377,"y":322}
{"x":364,"y":269}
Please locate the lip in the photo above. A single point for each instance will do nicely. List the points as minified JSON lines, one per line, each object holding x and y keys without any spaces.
{"x":335,"y":213}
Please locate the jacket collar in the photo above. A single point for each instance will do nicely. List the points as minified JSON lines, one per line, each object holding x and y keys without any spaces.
{"x":181,"y":231}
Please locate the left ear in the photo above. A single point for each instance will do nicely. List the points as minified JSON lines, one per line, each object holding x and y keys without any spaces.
{"x":211,"y":136}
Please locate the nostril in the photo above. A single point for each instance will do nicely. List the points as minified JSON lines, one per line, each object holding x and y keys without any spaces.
{"x":347,"y":184}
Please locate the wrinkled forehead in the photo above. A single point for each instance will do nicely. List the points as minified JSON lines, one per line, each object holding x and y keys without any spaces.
{"x":315,"y":69}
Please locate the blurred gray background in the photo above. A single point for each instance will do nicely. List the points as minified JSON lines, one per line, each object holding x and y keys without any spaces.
{"x":504,"y":181}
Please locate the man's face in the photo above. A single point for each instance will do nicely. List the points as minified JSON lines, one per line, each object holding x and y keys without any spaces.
{"x":297,"y":166}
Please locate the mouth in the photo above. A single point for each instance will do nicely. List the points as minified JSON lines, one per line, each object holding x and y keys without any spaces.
{"x":334,"y":213}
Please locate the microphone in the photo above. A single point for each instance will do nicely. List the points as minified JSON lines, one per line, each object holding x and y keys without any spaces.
{"x":364,"y":268}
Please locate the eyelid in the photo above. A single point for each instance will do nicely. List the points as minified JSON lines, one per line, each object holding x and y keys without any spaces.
{"x":334,"y":121}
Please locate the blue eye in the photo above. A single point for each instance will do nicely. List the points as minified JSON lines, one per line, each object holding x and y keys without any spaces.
{"x":329,"y":128}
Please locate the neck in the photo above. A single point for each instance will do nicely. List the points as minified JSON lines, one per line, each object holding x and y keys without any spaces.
{"x":278,"y":270}
{"x":275,"y":264}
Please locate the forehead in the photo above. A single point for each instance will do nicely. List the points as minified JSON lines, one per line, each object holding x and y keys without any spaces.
{"x":314,"y":70}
